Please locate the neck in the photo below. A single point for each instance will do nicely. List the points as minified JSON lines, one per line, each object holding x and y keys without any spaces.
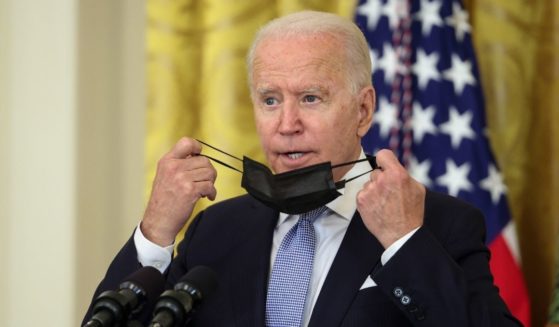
{"x":341,"y":171}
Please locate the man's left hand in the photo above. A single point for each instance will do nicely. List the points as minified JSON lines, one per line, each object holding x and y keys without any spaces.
{"x":391,"y":203}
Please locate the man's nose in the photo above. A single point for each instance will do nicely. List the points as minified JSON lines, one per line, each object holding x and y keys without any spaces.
{"x":290,"y":120}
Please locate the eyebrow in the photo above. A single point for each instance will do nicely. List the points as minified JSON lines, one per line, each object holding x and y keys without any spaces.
{"x":315,"y":89}
{"x":305,"y":90}
{"x":264,"y":90}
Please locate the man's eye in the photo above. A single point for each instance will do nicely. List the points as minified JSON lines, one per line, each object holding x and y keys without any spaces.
{"x":310,"y":98}
{"x":270,"y":101}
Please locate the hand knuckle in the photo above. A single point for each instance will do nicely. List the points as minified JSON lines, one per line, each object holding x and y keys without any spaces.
{"x":400,"y":175}
{"x":187,"y":188}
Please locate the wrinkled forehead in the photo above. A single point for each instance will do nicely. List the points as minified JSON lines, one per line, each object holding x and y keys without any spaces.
{"x":307,"y":55}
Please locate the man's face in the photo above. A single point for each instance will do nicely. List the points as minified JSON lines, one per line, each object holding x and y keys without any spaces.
{"x":304,"y":108}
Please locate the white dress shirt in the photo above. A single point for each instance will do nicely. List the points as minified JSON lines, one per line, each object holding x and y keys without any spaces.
{"x":330,"y":229}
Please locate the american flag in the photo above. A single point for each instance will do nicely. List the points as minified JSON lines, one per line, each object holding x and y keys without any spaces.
{"x":430,"y":111}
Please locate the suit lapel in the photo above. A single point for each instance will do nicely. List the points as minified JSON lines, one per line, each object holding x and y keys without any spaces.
{"x":249,"y":275}
{"x":355,"y":260}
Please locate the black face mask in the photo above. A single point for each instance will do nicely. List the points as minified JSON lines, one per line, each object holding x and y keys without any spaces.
{"x":293,"y":192}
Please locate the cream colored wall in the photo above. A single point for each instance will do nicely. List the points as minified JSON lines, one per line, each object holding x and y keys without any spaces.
{"x":71,"y":151}
{"x":5,"y":31}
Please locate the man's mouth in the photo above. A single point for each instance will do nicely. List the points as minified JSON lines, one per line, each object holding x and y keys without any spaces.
{"x":295,"y":155}
{"x":293,"y":159}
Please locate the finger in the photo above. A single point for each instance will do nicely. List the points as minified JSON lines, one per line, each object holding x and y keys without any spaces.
{"x":183,"y":148}
{"x":365,"y":193}
{"x":387,"y":160}
{"x":196,"y":168}
{"x":206,"y":189}
{"x":169,"y":166}
{"x":201,"y":174}
{"x":195,"y":162}
{"x":374,"y":175}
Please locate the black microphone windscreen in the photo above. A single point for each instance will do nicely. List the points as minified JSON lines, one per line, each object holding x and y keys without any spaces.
{"x":202,"y":278}
{"x":149,"y":279}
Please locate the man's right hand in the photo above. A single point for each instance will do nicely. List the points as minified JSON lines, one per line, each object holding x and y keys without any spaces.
{"x":182,"y":178}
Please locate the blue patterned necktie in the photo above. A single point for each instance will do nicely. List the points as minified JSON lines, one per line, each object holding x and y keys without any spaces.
{"x":291,"y":273}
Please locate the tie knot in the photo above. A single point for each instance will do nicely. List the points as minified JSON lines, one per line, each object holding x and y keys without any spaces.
{"x":313,"y":214}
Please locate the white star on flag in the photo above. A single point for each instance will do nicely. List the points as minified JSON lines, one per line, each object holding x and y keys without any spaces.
{"x":429,"y":15}
{"x":460,"y":74}
{"x":374,"y":59}
{"x":422,"y":121}
{"x":420,"y":171}
{"x":494,"y":184}
{"x":395,"y":10}
{"x":388,"y":63}
{"x":458,"y":127}
{"x":372,"y":10}
{"x":385,"y":117}
{"x":425,"y":68}
{"x":459,"y":20}
{"x":455,"y":179}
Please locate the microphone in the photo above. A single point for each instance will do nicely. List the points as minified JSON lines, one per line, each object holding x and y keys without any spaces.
{"x":174,"y":307}
{"x":113,"y":308}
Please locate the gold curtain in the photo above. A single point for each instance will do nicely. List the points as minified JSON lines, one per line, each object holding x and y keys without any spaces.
{"x":197,"y":87}
{"x":517,"y":44}
{"x":197,"y":84}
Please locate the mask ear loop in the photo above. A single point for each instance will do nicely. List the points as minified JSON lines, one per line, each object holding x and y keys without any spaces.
{"x":219,"y":161}
{"x":218,"y":150}
{"x":341,"y":184}
{"x":371,"y":159}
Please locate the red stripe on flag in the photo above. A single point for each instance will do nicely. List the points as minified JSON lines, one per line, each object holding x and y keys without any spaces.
{"x":509,"y":279}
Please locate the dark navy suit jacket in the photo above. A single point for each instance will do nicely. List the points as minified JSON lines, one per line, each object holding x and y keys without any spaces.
{"x":440,"y":277}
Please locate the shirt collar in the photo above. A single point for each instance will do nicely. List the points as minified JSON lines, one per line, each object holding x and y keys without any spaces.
{"x":345,"y":205}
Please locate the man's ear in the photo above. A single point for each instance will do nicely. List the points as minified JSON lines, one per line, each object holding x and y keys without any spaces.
{"x":367,"y":100}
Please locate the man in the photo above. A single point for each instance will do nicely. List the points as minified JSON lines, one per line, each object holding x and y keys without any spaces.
{"x":387,"y":252}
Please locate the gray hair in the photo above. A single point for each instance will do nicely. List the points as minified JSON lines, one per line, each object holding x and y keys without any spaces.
{"x":314,"y":22}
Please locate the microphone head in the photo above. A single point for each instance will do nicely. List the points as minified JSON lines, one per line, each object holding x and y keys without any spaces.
{"x":147,"y":283}
{"x":138,"y":290}
{"x":199,"y":281}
